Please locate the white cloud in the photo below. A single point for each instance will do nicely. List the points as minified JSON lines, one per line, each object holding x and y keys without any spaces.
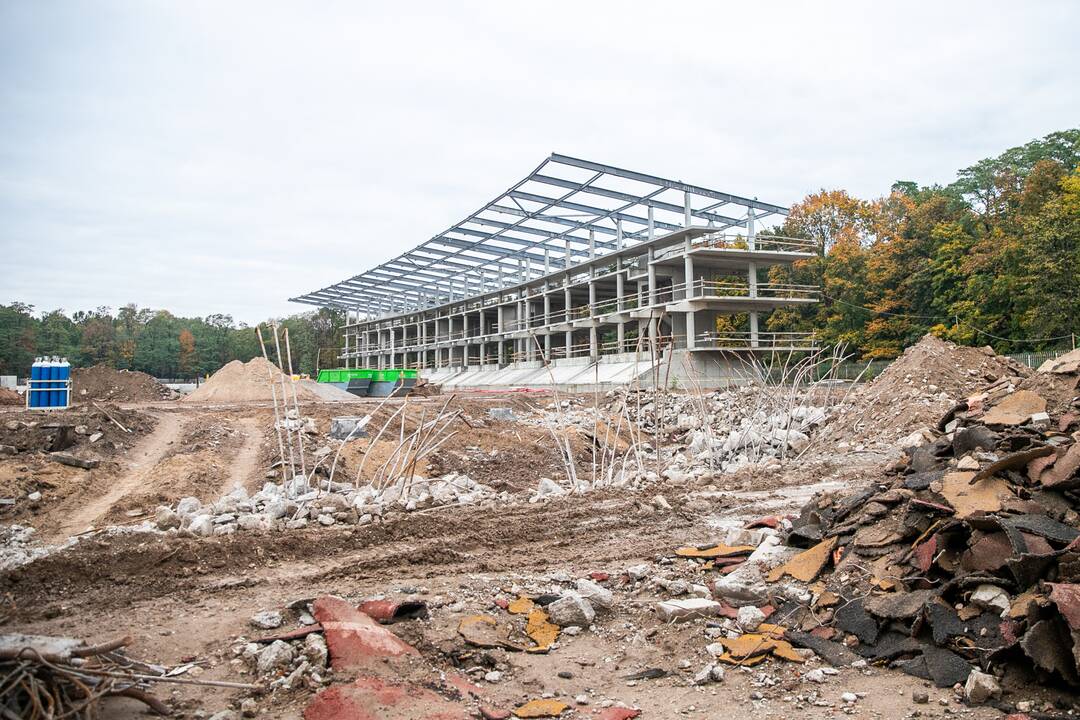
{"x":221,"y":157}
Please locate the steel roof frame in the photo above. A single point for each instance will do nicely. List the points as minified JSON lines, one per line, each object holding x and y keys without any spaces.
{"x":472,"y":257}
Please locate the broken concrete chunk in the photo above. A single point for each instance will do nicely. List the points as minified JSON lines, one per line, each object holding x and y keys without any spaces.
{"x":571,"y":609}
{"x":677,"y":610}
{"x":597,"y":595}
{"x":267,"y":619}
{"x":991,"y":597}
{"x":981,"y":687}
{"x":278,"y":655}
{"x":749,"y":618}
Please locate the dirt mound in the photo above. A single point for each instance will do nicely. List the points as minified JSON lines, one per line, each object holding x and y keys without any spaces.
{"x":918,"y":387}
{"x":102,"y":382}
{"x":250,"y":382}
{"x":10,"y":397}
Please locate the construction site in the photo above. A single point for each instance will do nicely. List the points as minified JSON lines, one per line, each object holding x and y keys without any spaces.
{"x":561,"y":469}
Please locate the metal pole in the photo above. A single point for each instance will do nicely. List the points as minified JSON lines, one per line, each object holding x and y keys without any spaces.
{"x":273,"y":394}
{"x":284,"y":400}
{"x":296,"y":405}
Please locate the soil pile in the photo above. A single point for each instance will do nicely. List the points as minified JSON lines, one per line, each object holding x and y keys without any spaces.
{"x":250,"y":382}
{"x":10,"y":397}
{"x":102,"y":382}
{"x":918,"y":387}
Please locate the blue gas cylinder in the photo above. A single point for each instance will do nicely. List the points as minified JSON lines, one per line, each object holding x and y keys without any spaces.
{"x":48,"y":373}
{"x":63,"y":374}
{"x":34,"y":398}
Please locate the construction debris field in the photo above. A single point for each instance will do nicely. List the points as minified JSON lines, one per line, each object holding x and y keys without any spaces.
{"x":623,"y":554}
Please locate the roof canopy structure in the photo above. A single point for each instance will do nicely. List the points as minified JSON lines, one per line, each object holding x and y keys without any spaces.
{"x":564,"y":212}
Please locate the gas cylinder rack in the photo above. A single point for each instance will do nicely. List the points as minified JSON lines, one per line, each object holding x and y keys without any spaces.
{"x":50,"y":384}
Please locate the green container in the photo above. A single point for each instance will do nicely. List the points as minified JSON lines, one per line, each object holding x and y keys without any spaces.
{"x":344,"y":375}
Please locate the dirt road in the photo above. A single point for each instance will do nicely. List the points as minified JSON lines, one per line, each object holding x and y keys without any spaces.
{"x":142,"y":458}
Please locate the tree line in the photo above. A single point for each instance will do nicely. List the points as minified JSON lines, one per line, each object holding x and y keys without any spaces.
{"x":156,"y":341}
{"x":990,"y":259}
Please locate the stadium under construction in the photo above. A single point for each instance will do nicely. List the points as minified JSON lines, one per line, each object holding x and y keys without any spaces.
{"x":580,"y":274}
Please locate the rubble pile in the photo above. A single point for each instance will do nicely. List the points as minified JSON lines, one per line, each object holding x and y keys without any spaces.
{"x":296,"y":504}
{"x":967,"y":555}
{"x":733,"y":428}
{"x":102,"y":382}
{"x":101,"y":428}
{"x":11,"y":397}
{"x":915,"y":389}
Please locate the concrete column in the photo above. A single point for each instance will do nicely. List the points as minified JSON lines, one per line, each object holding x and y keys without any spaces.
{"x":620,"y":335}
{"x":620,"y":286}
{"x":547,"y":261}
{"x":566,"y":299}
{"x":547,"y":346}
{"x":618,"y":234}
{"x":652,"y":276}
{"x":569,"y":341}
{"x":652,"y":224}
{"x":567,"y":253}
{"x":547,"y":307}
{"x":592,"y":244}
{"x":594,"y":350}
{"x":751,"y":276}
{"x":530,"y":346}
{"x":690,"y":330}
{"x":688,"y":271}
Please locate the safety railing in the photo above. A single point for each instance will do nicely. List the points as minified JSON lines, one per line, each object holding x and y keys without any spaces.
{"x":763,"y":340}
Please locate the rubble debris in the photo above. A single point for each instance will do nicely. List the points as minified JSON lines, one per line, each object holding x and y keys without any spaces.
{"x":806,"y":565}
{"x":980,"y":688}
{"x":354,"y":639}
{"x":389,"y":612}
{"x":544,"y":708}
{"x":1016,"y":409}
{"x":676,"y":610}
{"x":951,"y":571}
{"x":1067,"y":364}
{"x":68,"y":459}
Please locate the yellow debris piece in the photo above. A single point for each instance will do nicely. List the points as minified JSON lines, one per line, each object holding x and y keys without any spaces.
{"x":521,"y":606}
{"x":785,"y":651}
{"x":541,"y":630}
{"x":540,"y":709}
{"x":806,"y":565}
{"x":744,"y":662}
{"x":720,"y":550}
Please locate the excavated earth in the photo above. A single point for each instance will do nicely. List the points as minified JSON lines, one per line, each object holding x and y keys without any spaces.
{"x":187,"y":601}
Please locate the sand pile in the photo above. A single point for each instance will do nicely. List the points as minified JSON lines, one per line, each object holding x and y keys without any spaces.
{"x":918,"y":387}
{"x":250,"y":382}
{"x":102,"y":382}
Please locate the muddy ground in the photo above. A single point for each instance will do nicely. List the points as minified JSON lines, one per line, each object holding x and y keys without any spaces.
{"x":189,"y":600}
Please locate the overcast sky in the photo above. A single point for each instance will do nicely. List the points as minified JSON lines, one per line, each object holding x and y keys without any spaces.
{"x":223,"y":156}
